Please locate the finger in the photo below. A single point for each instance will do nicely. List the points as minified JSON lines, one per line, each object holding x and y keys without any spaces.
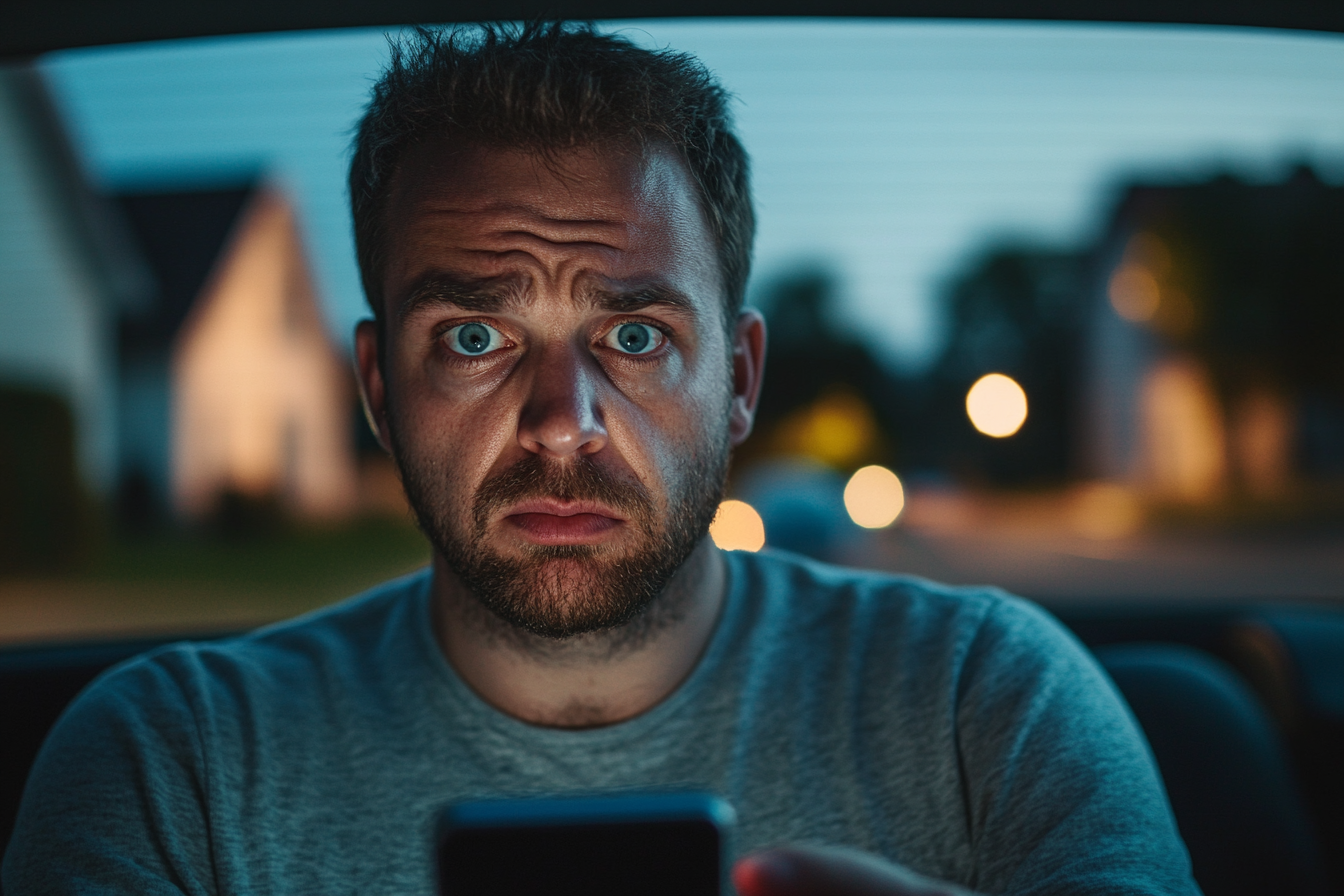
{"x":831,"y":871}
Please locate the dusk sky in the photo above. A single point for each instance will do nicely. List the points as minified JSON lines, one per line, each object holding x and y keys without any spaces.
{"x":891,"y":150}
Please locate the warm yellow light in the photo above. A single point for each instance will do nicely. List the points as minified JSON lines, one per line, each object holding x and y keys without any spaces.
{"x":1134,"y":292}
{"x":837,"y":429}
{"x":874,"y":497}
{"x":1105,"y":511}
{"x":737,"y":527}
{"x":1183,"y":431}
{"x":996,"y":405}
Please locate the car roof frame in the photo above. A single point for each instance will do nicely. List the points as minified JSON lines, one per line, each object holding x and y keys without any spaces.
{"x":32,"y":27}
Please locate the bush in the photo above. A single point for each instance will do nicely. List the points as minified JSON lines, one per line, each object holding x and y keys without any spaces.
{"x":45,"y":515}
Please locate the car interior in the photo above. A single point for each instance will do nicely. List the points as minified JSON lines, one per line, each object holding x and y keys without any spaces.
{"x":1238,"y":688}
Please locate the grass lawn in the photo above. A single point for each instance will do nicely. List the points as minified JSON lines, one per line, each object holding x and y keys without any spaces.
{"x":178,"y":583}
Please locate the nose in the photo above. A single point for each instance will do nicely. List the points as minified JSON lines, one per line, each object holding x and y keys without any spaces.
{"x":561,"y":416}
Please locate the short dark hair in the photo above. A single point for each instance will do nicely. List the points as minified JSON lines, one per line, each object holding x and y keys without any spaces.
{"x":547,"y":87}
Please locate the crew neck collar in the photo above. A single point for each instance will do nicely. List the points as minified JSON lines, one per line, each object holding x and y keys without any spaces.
{"x":460,"y":702}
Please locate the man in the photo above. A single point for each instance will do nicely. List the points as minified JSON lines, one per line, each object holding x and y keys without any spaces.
{"x":554,"y":232}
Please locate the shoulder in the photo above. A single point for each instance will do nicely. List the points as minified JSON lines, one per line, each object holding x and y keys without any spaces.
{"x":152,"y":747}
{"x":980,"y":646}
{"x":963,"y":645}
{"x":988,"y":698}
{"x":797,"y":594}
{"x":287,"y":658}
{"x":783,"y":575}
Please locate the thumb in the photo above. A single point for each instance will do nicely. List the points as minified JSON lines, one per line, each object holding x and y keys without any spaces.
{"x":831,"y":871}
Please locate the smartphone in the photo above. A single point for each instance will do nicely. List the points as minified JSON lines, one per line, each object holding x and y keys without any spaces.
{"x":657,"y":844}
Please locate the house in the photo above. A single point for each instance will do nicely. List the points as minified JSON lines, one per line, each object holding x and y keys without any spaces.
{"x":1213,"y":358}
{"x":229,"y":382}
{"x":66,"y":275}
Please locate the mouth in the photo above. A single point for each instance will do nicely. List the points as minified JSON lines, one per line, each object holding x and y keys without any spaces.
{"x":552,"y":522}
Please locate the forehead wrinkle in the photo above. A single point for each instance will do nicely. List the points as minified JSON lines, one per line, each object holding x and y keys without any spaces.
{"x":522,"y":237}
{"x":513,"y":220}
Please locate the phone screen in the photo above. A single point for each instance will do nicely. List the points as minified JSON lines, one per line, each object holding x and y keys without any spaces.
{"x":639,"y":845}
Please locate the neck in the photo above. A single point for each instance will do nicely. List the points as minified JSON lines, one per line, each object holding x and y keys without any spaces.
{"x":589,"y":680}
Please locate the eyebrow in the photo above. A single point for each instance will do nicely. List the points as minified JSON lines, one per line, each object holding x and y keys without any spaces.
{"x":636,"y":298}
{"x":492,"y":296}
{"x":441,"y":288}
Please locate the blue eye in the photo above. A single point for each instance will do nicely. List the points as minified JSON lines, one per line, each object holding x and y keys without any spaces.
{"x":634,"y":339}
{"x":474,"y":339}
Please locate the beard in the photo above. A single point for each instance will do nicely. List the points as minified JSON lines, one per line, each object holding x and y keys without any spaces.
{"x":560,"y":591}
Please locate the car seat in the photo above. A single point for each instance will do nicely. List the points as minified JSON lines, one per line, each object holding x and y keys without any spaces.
{"x":1234,"y":795}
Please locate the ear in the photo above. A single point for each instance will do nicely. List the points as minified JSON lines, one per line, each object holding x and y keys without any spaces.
{"x":748,"y":373}
{"x":372,"y":387}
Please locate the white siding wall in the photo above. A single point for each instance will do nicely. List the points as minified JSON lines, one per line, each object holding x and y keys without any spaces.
{"x":54,"y":329}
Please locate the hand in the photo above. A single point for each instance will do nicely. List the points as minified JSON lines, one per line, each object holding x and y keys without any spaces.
{"x":831,"y":871}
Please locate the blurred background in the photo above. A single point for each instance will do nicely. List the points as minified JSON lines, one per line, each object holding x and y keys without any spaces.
{"x":1054,"y":307}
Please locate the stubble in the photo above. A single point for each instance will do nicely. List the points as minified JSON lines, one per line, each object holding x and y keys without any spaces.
{"x":559,"y":592}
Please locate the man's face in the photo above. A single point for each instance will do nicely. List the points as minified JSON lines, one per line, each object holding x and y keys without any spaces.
{"x":557,"y":383}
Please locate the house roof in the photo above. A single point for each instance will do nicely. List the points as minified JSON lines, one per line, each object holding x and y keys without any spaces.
{"x":181,"y":235}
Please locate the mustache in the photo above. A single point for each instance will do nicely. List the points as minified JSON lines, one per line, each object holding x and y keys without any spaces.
{"x":581,"y":479}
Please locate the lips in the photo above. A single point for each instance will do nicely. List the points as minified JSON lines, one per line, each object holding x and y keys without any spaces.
{"x":556,"y":522}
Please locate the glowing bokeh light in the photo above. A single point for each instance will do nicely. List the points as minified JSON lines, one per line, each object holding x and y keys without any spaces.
{"x":1105,"y":511}
{"x":874,"y":497}
{"x":1134,"y":293}
{"x":996,"y":405}
{"x":837,"y":429}
{"x":737,"y":527}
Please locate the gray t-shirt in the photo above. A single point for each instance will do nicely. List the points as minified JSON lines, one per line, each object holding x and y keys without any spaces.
{"x":959,"y":732}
